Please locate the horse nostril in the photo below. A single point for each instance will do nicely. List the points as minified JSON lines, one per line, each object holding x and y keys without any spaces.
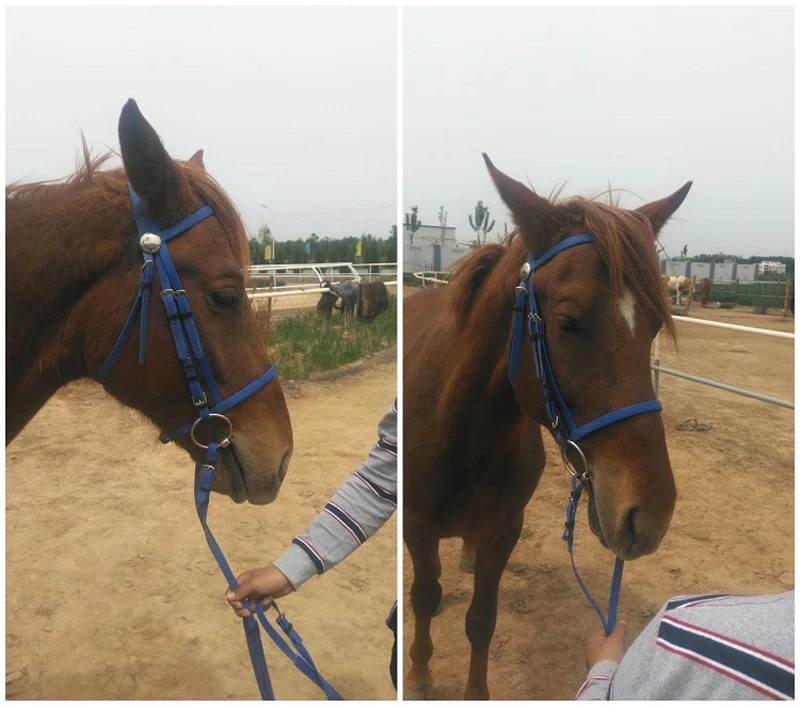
{"x":629,"y":527}
{"x":284,"y":467}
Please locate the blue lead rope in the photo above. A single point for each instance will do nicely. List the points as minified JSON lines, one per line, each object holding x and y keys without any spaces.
{"x":204,"y":473}
{"x":609,"y":622}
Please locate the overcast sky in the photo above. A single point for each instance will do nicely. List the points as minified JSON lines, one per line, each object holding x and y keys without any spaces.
{"x":294,"y":107}
{"x":647,"y":97}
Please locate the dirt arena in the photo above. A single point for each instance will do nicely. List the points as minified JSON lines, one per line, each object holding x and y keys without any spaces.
{"x":733,"y":528}
{"x":111,"y":591}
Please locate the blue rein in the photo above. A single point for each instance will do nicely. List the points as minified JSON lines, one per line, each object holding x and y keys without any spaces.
{"x":566,"y":430}
{"x":210,"y":406}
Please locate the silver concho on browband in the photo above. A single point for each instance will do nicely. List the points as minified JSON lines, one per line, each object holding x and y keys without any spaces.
{"x":150,"y":243}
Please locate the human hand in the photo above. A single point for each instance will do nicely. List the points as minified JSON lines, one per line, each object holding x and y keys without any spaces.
{"x":600,"y":647}
{"x":262,"y":584}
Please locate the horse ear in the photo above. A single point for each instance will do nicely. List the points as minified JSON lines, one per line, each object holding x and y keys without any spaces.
{"x":197,"y":160}
{"x":150,"y":170}
{"x":659,"y":212}
{"x":536,"y":217}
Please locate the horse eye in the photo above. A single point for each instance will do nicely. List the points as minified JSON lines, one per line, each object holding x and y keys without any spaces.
{"x":567,"y":325}
{"x":225,"y":298}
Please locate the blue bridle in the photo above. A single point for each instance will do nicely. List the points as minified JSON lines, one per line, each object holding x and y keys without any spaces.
{"x":210,"y":406}
{"x":561,"y":420}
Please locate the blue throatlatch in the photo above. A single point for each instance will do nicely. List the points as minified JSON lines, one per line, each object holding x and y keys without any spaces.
{"x":566,"y":430}
{"x":210,"y":406}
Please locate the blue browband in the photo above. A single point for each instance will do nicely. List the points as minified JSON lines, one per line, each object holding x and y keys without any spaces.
{"x":566,"y":430}
{"x":198,"y":375}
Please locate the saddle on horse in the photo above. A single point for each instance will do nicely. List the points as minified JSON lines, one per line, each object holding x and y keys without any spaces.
{"x":347,"y":292}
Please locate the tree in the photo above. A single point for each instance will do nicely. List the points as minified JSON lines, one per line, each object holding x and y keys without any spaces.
{"x":413,"y":224}
{"x":481,"y":224}
{"x":259,"y":243}
{"x":442,"y":221}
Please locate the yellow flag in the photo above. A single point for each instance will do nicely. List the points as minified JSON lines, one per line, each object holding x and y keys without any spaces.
{"x":268,"y":252}
{"x":358,"y":248}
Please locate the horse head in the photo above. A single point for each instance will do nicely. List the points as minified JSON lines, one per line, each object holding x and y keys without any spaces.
{"x":602,"y":304}
{"x":211,"y":259}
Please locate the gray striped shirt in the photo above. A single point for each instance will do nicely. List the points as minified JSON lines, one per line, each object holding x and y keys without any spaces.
{"x":356,"y":511}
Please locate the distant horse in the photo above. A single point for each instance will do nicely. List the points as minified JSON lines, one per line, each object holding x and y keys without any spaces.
{"x":73,"y":263}
{"x":366,"y":300}
{"x":473,"y":440}
{"x":705,"y":290}
{"x":678,"y":284}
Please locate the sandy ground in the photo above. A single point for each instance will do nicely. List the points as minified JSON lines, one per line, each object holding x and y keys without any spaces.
{"x":733,"y":528}
{"x":111,"y":590}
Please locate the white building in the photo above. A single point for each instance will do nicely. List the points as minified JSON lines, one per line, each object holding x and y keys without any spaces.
{"x":772,"y":266}
{"x":434,"y":249}
{"x":431,"y":234}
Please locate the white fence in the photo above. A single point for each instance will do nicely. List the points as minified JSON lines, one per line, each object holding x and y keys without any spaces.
{"x":301,"y":280}
{"x":435,"y":277}
{"x":658,"y":369}
{"x":307,"y":277}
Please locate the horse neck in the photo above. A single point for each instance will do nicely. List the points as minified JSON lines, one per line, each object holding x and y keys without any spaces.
{"x":58,"y":248}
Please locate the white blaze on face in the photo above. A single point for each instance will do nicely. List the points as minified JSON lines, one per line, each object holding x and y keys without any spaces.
{"x":627,"y":307}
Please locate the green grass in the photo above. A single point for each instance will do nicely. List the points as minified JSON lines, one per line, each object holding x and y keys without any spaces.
{"x":300,"y":346}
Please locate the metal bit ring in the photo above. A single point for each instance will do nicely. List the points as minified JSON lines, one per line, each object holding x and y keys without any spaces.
{"x":226,"y":439}
{"x":568,"y":464}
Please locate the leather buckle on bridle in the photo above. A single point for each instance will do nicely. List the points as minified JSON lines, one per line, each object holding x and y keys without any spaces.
{"x":200,"y":402}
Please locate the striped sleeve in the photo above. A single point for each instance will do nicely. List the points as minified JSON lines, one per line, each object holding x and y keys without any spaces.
{"x":712,"y":647}
{"x":598,"y":682}
{"x":363,"y":503}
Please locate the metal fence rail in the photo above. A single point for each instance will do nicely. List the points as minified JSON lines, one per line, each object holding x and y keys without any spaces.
{"x":658,"y":368}
{"x":431,"y":276}
{"x":736,"y":327}
{"x":722,"y":386}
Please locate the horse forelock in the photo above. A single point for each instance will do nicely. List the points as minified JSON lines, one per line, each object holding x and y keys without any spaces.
{"x":626,"y":244}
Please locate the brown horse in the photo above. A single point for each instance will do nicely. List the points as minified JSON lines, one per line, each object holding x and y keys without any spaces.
{"x":365,"y":300}
{"x":472,"y":440}
{"x":73,"y":266}
{"x":705,"y":290}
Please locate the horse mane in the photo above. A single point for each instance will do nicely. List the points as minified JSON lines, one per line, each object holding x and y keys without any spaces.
{"x":468,"y":275}
{"x":623,"y":238}
{"x":112,"y":183}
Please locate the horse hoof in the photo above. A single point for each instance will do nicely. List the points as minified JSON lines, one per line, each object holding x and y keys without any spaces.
{"x":422,"y":693}
{"x":468,"y":564}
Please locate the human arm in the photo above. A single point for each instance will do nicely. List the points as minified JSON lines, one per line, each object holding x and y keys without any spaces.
{"x":363,"y":503}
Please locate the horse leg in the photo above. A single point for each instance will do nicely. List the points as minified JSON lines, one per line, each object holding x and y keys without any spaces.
{"x":426,"y":595}
{"x":491,"y":558}
{"x":467,"y":557}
